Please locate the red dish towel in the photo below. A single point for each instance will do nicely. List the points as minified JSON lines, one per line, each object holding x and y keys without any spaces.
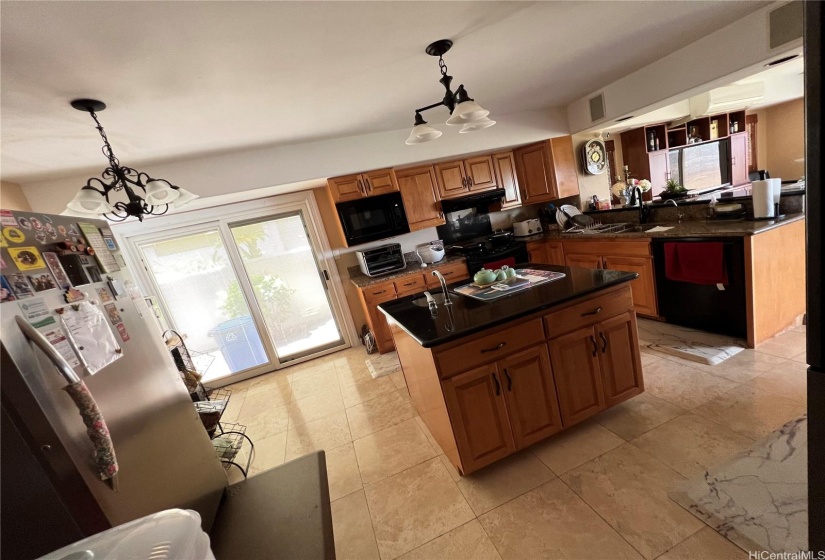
{"x":697,"y":263}
{"x":511,"y":262}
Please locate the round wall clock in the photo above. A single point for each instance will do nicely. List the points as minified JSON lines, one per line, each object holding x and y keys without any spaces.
{"x":594,"y":157}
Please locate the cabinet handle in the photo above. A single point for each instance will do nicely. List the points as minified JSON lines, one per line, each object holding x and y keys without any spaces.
{"x":367,"y":185}
{"x":494,"y":348}
{"x":381,"y":292}
{"x":441,"y":215}
{"x":594,"y":312}
{"x":361,"y":187}
{"x":595,"y":348}
{"x":498,"y":386}
{"x":509,"y":380}
{"x":448,"y":273}
{"x":599,"y":263}
{"x":604,"y":264}
{"x":604,"y":342}
{"x":410,"y":284}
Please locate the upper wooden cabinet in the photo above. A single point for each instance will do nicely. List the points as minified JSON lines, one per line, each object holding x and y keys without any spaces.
{"x":360,"y":185}
{"x":462,"y":177}
{"x":739,"y":158}
{"x":419,"y":191}
{"x":506,"y":178}
{"x":547,"y":170}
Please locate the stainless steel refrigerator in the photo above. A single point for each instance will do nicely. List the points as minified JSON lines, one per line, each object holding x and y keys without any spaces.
{"x":52,"y":494}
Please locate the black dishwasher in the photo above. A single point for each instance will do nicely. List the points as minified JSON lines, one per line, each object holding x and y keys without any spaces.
{"x":701,"y":307}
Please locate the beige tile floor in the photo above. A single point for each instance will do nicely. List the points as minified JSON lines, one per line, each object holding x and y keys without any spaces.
{"x":598,"y":490}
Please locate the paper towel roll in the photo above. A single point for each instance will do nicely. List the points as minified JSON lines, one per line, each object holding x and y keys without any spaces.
{"x":776,"y":188}
{"x":762,"y":194}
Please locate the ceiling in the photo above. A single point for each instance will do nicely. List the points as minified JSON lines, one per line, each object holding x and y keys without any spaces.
{"x":194,"y":78}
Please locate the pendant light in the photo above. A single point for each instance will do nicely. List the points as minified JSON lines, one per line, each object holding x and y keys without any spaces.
{"x":463,"y":109}
{"x":93,"y":200}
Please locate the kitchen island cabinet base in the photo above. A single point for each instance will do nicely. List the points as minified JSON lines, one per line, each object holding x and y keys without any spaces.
{"x":511,"y":389}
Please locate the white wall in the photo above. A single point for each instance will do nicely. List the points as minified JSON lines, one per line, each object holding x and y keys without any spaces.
{"x":246,"y":171}
{"x":731,"y":53}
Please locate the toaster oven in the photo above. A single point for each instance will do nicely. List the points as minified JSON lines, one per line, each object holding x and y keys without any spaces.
{"x":381,"y":260}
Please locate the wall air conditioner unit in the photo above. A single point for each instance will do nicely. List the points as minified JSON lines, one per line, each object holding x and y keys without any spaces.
{"x":726,"y":99}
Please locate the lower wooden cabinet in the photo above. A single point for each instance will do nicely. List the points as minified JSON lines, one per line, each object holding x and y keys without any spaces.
{"x":478,"y":416}
{"x":596,"y":367}
{"x":378,"y":323}
{"x":644,"y":287}
{"x":546,"y":252}
{"x":583,"y":261}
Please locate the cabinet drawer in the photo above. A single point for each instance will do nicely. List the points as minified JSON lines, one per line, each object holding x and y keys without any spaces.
{"x":489,"y":348}
{"x":379,"y":292}
{"x":588,"y":312}
{"x":411,"y":284}
{"x":451,"y":272}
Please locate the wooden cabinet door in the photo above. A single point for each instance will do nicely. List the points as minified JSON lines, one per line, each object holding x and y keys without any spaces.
{"x":420,"y":195}
{"x":348,"y":187}
{"x":659,"y":171}
{"x":451,"y":179}
{"x":619,"y":361}
{"x":644,"y":287}
{"x":480,"y":172}
{"x":563,"y":159}
{"x":583,"y":261}
{"x":575,"y":361}
{"x":534,"y":174}
{"x":555,"y":253}
{"x":505,"y":167}
{"x":378,"y":324}
{"x":530,"y":393}
{"x":537,"y":252}
{"x":479,"y":416}
{"x":739,"y":158}
{"x":379,"y":181}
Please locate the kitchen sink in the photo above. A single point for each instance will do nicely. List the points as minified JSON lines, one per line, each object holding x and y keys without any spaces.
{"x":637,"y":228}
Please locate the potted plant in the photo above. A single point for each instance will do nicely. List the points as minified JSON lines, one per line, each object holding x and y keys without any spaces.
{"x":673,"y":190}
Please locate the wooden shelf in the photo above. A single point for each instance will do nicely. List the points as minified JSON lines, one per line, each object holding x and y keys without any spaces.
{"x":659,"y":134}
{"x":737,"y":120}
{"x":677,"y":137}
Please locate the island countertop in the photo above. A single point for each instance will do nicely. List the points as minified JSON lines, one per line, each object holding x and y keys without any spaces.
{"x":468,"y":316}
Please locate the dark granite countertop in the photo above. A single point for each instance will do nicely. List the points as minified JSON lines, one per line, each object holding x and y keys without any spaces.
{"x":361,"y":280}
{"x":691,"y":228}
{"x":468,"y":316}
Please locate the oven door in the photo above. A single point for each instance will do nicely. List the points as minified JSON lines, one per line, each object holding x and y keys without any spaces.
{"x":372,"y":218}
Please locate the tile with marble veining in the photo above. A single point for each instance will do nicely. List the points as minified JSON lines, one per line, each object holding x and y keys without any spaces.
{"x":788,"y":380}
{"x":415,"y":506}
{"x":741,"y":368}
{"x":269,"y":453}
{"x":325,"y":381}
{"x":383,"y":364}
{"x":698,"y":346}
{"x":342,"y":471}
{"x":629,"y":489}
{"x":261,"y":399}
{"x":364,"y":389}
{"x":379,"y":413}
{"x":575,"y":446}
{"x":429,"y":435}
{"x":327,"y":433}
{"x":638,"y":415}
{"x":690,"y":444}
{"x":398,"y":380}
{"x":786,"y":345}
{"x":758,"y":498}
{"x":315,"y":406}
{"x":352,"y":528}
{"x":706,"y":544}
{"x":468,"y":542}
{"x":750,"y":411}
{"x":502,"y":481}
{"x":266,"y":423}
{"x":684,"y":386}
{"x":551,"y":522}
{"x":390,"y":451}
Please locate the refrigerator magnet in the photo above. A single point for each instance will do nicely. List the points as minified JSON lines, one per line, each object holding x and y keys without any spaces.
{"x":14,"y":235}
{"x":7,"y":219}
{"x":121,"y":330}
{"x":60,"y":276}
{"x":73,"y":294}
{"x":5,"y":291}
{"x":112,"y":313}
{"x":26,"y":258}
{"x":20,"y":285}
{"x":42,"y":281}
{"x":103,"y":294}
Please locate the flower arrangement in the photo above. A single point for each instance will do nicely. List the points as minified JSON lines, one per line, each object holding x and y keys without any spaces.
{"x":622,"y":188}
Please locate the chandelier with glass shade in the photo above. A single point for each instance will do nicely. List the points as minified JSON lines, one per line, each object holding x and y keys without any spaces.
{"x":95,"y":199}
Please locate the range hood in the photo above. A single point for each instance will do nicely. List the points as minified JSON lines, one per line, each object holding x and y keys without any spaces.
{"x":481,"y":200}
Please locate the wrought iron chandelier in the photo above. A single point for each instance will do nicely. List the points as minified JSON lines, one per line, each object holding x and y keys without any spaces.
{"x":463,"y":109}
{"x":93,"y":200}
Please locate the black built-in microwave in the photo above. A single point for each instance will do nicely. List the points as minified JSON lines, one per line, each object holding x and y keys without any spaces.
{"x":372,"y":218}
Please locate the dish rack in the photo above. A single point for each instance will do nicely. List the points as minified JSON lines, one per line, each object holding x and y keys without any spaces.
{"x":228,"y":438}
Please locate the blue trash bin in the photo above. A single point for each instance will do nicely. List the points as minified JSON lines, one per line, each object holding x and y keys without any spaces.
{"x":239,"y":343}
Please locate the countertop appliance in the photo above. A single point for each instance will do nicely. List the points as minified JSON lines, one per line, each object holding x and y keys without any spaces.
{"x":480,"y":201}
{"x":372,"y":218}
{"x":165,"y":457}
{"x":431,"y":252}
{"x":703,"y":307}
{"x":527,"y":227}
{"x":381,"y":260}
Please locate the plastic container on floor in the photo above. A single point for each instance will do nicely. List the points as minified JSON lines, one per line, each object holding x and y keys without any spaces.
{"x":171,"y":534}
{"x":239,"y":343}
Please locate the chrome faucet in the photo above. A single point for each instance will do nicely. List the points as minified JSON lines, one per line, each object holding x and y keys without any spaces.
{"x":440,"y":277}
{"x":644,"y":211}
{"x":679,"y":215}
{"x":672,"y":201}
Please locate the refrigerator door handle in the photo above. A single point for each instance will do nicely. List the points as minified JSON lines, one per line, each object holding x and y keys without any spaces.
{"x":33,"y":335}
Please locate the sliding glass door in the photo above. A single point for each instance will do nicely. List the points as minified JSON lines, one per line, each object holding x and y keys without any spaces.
{"x":248,"y":295}
{"x":289,"y":286}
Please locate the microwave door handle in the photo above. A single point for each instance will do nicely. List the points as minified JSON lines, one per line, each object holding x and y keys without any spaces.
{"x":34,"y":336}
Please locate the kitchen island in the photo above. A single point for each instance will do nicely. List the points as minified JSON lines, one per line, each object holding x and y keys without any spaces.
{"x":490,"y":378}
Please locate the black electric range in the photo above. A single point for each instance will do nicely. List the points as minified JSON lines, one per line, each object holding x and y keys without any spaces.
{"x":482,"y":253}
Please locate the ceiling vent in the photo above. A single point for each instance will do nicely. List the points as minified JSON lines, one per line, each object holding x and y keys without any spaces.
{"x":597,"y":108}
{"x":785,"y":24}
{"x":724,"y":99}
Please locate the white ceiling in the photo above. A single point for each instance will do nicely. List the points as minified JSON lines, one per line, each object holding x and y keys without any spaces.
{"x":193,"y":78}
